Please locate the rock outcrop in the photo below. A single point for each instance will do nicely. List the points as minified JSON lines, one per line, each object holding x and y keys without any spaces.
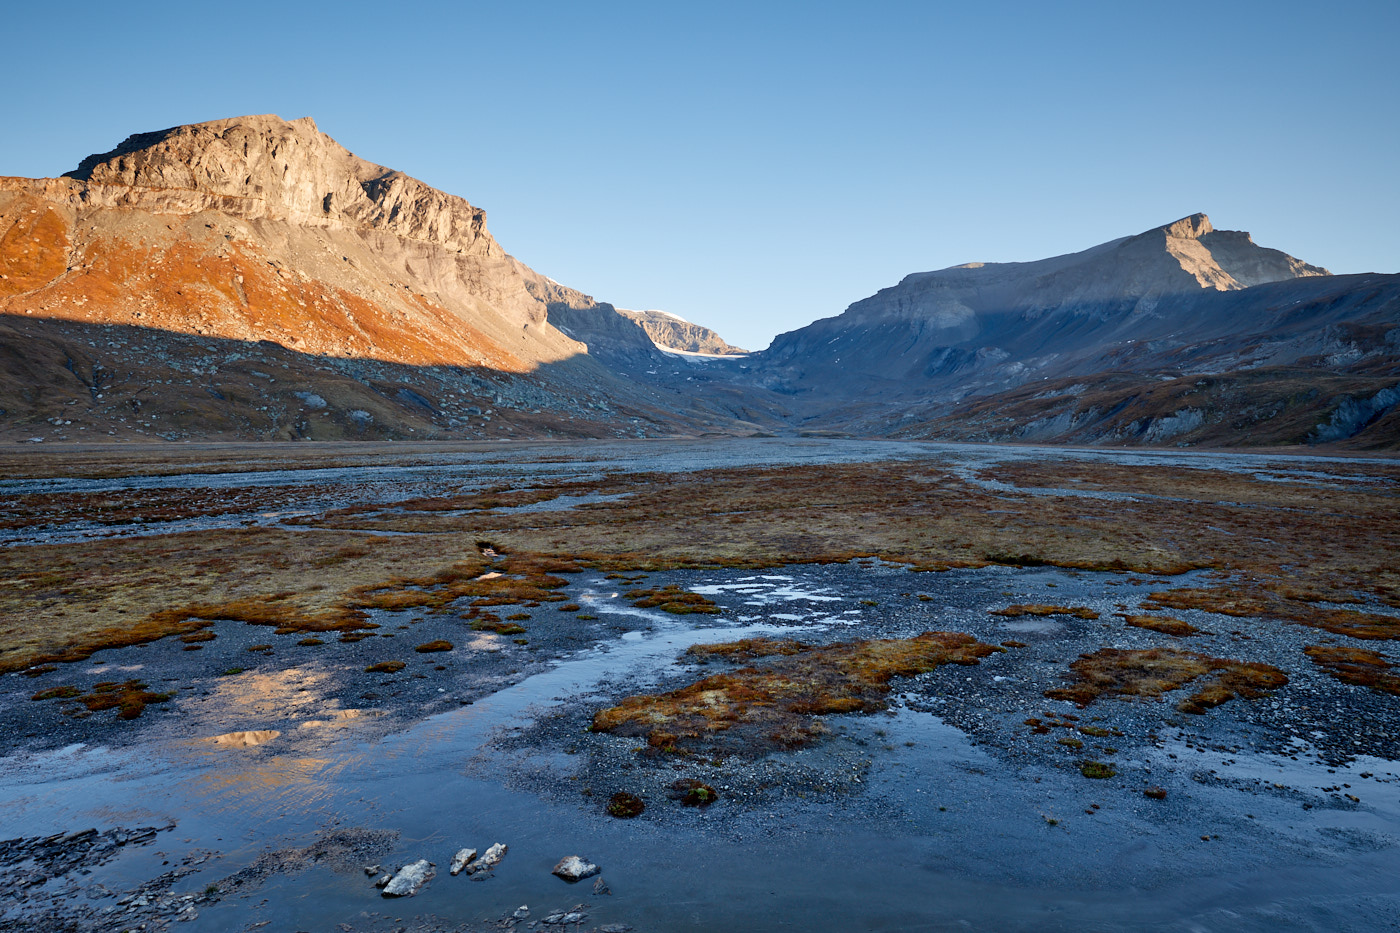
{"x":670,"y":332}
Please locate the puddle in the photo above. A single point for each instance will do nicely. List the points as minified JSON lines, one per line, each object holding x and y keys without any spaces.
{"x":245,"y":739}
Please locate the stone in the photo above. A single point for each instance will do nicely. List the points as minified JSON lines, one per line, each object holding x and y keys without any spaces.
{"x":600,"y":887}
{"x":489,"y":859}
{"x":410,"y":879}
{"x":573,"y":868}
{"x":521,"y":913}
{"x":566,"y":916}
{"x":460,"y":860}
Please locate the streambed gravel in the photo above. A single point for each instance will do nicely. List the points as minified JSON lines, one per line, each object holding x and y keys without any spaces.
{"x":1281,"y":812}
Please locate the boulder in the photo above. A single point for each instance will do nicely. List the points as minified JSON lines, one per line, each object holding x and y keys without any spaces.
{"x":489,"y":859}
{"x":461,"y":859}
{"x":573,"y":868}
{"x":410,"y":879}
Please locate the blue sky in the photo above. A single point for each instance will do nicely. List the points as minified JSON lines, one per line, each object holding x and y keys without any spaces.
{"x":755,"y":166}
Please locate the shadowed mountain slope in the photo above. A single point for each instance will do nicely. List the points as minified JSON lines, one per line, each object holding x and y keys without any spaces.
{"x":961,"y":352}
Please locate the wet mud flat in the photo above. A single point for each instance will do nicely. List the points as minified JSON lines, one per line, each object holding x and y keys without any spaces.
{"x":1141,"y":739}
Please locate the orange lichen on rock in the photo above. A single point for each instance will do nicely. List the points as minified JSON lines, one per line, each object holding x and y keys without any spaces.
{"x":1356,"y":666}
{"x":754,"y":709}
{"x":1152,"y":672}
{"x":1040,"y":609}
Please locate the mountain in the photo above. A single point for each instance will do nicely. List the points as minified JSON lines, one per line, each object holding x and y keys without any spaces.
{"x":1081,"y":348}
{"x":670,"y":332}
{"x":251,"y":278}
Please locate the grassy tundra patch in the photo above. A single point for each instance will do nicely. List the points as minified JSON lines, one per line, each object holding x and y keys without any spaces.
{"x":754,"y":709}
{"x":1151,"y":672}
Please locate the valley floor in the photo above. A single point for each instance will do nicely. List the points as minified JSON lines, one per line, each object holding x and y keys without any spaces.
{"x":1171,"y":703}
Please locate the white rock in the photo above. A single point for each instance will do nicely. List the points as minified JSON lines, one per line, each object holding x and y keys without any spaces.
{"x":460,"y":860}
{"x":574,"y":868}
{"x":409,"y":879}
{"x":489,"y":859}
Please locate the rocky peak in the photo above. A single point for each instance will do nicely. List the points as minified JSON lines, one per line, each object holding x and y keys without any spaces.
{"x":1189,"y":228}
{"x":264,"y":166}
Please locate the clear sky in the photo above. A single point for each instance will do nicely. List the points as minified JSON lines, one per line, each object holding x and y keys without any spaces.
{"x":754,"y":166}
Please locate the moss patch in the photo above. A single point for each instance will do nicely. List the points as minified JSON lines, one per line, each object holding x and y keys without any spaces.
{"x":1356,"y":666}
{"x":625,"y":806}
{"x":1174,"y":627}
{"x":1151,"y":672}
{"x":674,"y":600}
{"x":753,"y":709}
{"x":129,"y":698}
{"x":1040,"y":609}
{"x":1259,"y":602}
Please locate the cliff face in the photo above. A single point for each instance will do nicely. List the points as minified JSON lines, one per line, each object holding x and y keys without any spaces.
{"x":263,"y":166}
{"x":256,"y":235}
{"x":674,"y":333}
{"x":258,"y":228}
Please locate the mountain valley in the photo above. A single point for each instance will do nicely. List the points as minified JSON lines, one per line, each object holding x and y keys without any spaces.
{"x":250,"y":279}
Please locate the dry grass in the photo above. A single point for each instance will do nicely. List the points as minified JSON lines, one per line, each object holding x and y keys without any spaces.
{"x":1040,"y":609}
{"x":1151,"y":672}
{"x":129,"y":698}
{"x":1356,"y":666}
{"x":672,"y":599}
{"x":1261,"y":603}
{"x":753,"y":709}
{"x":1276,"y":539}
{"x":1173,"y":627}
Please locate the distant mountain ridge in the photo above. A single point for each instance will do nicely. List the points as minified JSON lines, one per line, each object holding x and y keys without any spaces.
{"x":931,"y":355}
{"x":251,"y":278}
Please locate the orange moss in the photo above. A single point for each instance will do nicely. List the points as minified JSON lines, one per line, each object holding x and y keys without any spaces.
{"x":1174,"y":627}
{"x":672,"y":599}
{"x":1258,"y":602}
{"x":1040,"y":609}
{"x":1356,"y":666}
{"x":130,"y":698}
{"x":385,"y":667}
{"x":752,"y":709}
{"x":1153,"y":671}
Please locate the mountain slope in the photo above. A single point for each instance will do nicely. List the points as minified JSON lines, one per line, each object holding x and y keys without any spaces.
{"x":256,"y":236}
{"x":922,"y":357}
